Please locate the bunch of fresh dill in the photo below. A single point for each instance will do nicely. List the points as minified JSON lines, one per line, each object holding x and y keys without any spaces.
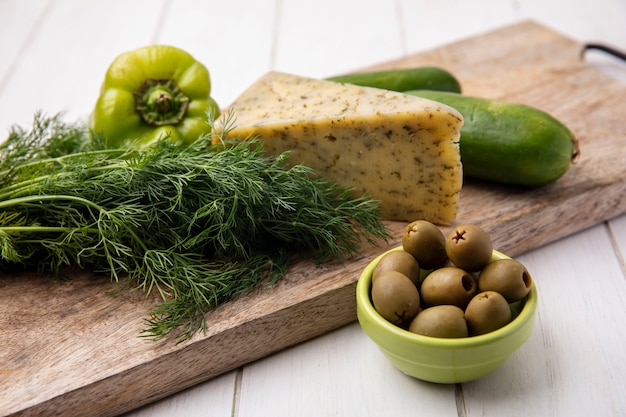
{"x":199,"y":224}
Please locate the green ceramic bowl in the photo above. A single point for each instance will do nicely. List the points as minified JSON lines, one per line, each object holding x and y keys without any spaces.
{"x":438,"y":359}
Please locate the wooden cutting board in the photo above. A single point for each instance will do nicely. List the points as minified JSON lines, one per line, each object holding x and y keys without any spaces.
{"x":69,"y":347}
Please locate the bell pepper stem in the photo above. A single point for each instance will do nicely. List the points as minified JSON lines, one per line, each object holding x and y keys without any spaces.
{"x":161,"y":102}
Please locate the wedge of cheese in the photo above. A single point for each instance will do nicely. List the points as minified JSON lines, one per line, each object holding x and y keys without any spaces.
{"x":401,"y":150}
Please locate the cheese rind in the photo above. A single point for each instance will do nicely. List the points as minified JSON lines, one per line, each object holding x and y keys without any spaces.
{"x":396,"y":148}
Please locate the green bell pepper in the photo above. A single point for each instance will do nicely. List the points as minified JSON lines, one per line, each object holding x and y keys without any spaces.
{"x":152,"y":93}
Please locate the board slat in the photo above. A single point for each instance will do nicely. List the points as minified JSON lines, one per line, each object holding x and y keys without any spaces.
{"x":70,"y":343}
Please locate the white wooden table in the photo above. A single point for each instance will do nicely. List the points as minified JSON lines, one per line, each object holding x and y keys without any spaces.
{"x":53,"y":57}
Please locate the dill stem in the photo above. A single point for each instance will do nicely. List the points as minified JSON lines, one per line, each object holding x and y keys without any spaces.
{"x":43,"y":229}
{"x":60,"y":160}
{"x":84,"y":201}
{"x":37,"y":198}
{"x":9,"y":190}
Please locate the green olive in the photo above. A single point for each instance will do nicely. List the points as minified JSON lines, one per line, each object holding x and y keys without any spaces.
{"x":486,"y":312}
{"x":469,"y":247}
{"x":425,"y":242}
{"x":506,"y":276}
{"x":400,"y":261}
{"x":449,"y":285}
{"x":395,"y":297}
{"x":440,"y":321}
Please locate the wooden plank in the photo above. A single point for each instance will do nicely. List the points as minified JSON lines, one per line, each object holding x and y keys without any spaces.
{"x":234,"y":54}
{"x":313,"y":23}
{"x":213,"y":398}
{"x":18,"y":25}
{"x":74,"y":344}
{"x":52,"y":72}
{"x":573,"y":363}
{"x":310,"y":380}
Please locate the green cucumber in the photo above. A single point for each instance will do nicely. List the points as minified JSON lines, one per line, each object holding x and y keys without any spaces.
{"x":509,"y":143}
{"x":404,"y":79}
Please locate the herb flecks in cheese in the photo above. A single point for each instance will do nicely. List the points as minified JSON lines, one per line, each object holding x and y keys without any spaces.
{"x":399,"y":149}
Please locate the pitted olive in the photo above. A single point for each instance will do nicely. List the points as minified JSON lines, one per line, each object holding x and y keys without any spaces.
{"x":400,"y":261}
{"x":506,"y":276}
{"x":469,"y":247}
{"x":449,"y":285}
{"x":440,"y":321}
{"x":395,"y":297}
{"x":486,"y":312}
{"x":425,"y":242}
